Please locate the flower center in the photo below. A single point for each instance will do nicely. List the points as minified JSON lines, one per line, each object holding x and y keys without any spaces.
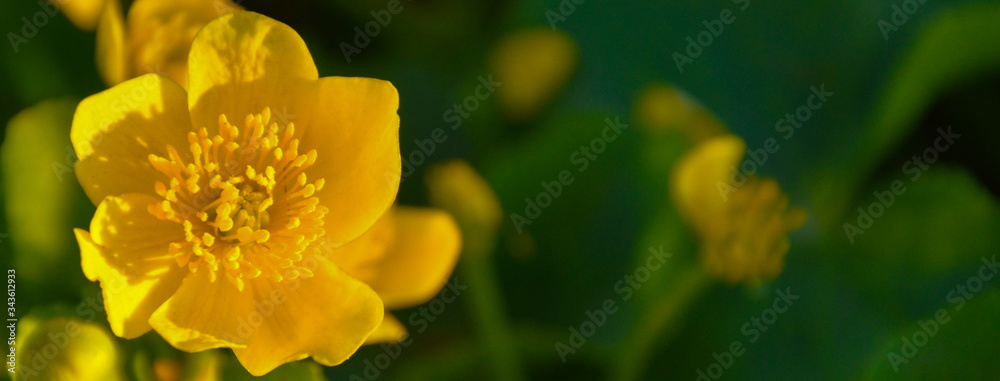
{"x":244,"y":201}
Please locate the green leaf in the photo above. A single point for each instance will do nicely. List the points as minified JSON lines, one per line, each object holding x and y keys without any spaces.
{"x":956,"y":342}
{"x":548,"y":180}
{"x":958,"y":46}
{"x":943,"y":221}
{"x":41,"y":194}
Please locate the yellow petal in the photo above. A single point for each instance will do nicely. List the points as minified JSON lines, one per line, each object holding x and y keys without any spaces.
{"x":327,"y":316}
{"x":203,"y":314}
{"x":126,"y":250}
{"x":116,"y":130}
{"x":161,"y":32}
{"x":698,"y":175}
{"x":242,"y":62}
{"x":355,"y":130}
{"x":362,"y":257}
{"x":422,"y":256}
{"x":82,"y":13}
{"x":112,"y":58}
{"x":390,"y":331}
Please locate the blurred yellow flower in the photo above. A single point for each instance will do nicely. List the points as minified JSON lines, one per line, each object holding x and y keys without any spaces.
{"x":156,"y":39}
{"x":406,"y":258}
{"x":66,"y":349}
{"x":532,"y":66}
{"x":662,"y":107}
{"x":456,"y":187}
{"x":217,"y":243}
{"x":82,"y":13}
{"x":743,"y":229}
{"x":168,"y":369}
{"x":201,"y":366}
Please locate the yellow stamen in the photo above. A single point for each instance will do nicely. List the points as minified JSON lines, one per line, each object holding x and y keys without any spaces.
{"x":243,"y":199}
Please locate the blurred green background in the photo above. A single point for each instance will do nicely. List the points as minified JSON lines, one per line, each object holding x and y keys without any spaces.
{"x":939,"y":68}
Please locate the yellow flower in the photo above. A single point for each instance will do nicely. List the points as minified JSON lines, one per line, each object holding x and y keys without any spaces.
{"x":156,"y":39}
{"x":208,"y":231}
{"x":406,"y":258}
{"x":532,"y":66}
{"x":743,"y":227}
{"x":66,"y":349}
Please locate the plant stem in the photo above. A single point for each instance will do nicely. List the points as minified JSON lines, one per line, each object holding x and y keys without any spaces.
{"x":658,"y":322}
{"x":488,"y":312}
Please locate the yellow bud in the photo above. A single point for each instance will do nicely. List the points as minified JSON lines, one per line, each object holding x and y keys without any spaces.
{"x":663,"y":107}
{"x":65,"y":348}
{"x":456,"y":187}
{"x":82,"y":13}
{"x":532,"y":66}
{"x":166,"y":369}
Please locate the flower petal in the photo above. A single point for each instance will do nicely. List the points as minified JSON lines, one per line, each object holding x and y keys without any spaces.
{"x":390,"y":331}
{"x":126,"y":250}
{"x":116,"y":130}
{"x":700,"y":179}
{"x":161,"y":32}
{"x":242,"y":62}
{"x":327,"y":316}
{"x":361,"y":257}
{"x":203,"y":314}
{"x":422,"y":256}
{"x":82,"y":13}
{"x":354,"y":128}
{"x":112,"y":57}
